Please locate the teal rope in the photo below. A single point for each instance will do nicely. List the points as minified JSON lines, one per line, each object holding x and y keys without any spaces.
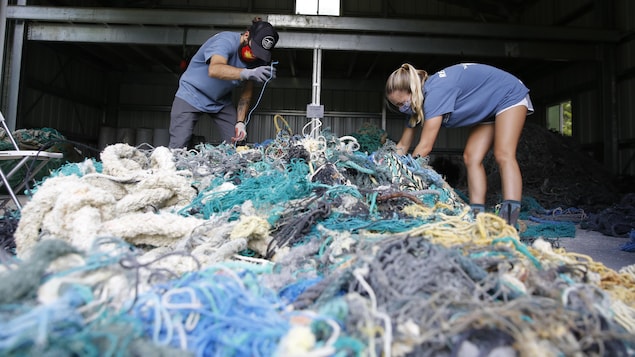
{"x":522,"y":248}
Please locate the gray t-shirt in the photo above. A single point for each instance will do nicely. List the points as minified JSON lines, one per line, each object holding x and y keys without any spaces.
{"x":196,"y":87}
{"x":468,"y":93}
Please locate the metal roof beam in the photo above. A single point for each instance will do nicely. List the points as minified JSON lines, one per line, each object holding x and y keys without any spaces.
{"x":546,"y":50}
{"x":302,"y":22}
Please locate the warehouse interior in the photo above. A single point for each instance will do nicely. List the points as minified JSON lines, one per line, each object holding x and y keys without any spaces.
{"x":578,"y":52}
{"x":337,"y":265}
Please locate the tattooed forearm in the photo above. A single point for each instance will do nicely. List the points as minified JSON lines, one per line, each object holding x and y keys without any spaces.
{"x":243,"y":105}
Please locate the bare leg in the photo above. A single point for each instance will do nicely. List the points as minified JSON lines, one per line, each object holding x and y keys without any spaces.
{"x":478,"y":144}
{"x":508,"y":128}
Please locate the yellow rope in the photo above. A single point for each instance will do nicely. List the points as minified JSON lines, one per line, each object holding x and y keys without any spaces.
{"x":278,"y":117}
{"x":453,"y":230}
{"x":457,"y":230}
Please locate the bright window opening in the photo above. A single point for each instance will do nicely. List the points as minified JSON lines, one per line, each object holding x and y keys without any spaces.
{"x":317,"y":7}
{"x":559,"y":118}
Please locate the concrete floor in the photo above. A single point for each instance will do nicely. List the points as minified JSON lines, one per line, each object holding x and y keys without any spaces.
{"x":600,"y":248}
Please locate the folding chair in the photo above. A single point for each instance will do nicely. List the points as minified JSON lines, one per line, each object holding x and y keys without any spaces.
{"x":22,"y":158}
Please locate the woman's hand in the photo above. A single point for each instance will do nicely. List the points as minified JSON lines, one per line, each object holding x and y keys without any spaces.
{"x":421,"y":150}
{"x":406,"y":139}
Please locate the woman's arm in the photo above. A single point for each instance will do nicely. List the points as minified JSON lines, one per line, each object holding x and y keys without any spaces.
{"x":429,"y":134}
{"x":406,"y":139}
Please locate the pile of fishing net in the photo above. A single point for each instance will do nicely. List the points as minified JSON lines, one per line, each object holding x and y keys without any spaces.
{"x":303,"y":246}
{"x":618,"y":220}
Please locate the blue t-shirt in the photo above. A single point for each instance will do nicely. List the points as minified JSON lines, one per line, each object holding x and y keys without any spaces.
{"x":468,"y":93}
{"x":196,"y":87}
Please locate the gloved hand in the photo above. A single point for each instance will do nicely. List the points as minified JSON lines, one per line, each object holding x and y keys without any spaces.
{"x":259,"y":74}
{"x":240,"y":131}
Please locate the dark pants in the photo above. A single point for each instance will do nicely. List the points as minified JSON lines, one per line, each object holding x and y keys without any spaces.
{"x":184,"y":117}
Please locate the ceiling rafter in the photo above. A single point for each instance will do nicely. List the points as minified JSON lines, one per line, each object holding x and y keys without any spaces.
{"x":311,"y":23}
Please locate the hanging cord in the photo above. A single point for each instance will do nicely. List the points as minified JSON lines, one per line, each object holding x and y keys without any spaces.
{"x":262,"y":91}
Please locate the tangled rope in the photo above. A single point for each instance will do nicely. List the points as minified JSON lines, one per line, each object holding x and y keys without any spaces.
{"x":302,"y":246}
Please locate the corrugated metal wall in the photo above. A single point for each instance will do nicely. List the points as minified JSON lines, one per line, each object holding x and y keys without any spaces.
{"x":563,"y":12}
{"x":626,"y":86}
{"x":61,"y":91}
{"x":581,"y":82}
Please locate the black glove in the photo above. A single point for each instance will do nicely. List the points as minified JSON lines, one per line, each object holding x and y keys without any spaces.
{"x":259,"y":74}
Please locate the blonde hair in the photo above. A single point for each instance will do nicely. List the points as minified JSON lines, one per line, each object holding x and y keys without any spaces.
{"x":409,"y":79}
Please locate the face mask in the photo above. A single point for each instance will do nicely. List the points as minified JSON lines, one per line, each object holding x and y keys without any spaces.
{"x":246,"y":55}
{"x":406,"y":109}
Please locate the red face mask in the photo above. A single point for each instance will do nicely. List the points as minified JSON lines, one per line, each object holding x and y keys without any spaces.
{"x":246,"y":55}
